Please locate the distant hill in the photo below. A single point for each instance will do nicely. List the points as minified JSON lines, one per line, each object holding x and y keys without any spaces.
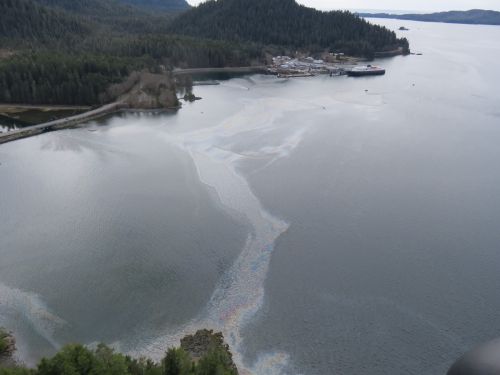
{"x":163,"y":5}
{"x":473,"y":17}
{"x":285,"y":23}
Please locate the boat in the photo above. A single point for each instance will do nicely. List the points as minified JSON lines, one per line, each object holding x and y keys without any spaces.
{"x":368,"y":70}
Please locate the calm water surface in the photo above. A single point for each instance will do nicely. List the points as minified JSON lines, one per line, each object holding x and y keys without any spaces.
{"x":325,"y":225}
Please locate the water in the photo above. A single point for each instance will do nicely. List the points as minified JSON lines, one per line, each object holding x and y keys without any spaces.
{"x":325,"y":225}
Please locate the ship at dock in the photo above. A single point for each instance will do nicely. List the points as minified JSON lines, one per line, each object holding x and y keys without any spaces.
{"x":368,"y":70}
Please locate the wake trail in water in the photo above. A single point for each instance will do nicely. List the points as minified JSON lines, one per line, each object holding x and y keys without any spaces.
{"x":239,"y":294}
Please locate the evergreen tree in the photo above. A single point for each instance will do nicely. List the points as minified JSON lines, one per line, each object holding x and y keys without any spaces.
{"x":177,"y":362}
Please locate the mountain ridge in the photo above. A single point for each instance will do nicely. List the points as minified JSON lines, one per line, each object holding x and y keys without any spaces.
{"x":468,"y":17}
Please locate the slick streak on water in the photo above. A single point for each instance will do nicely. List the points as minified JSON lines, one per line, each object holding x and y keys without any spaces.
{"x":20,"y":308}
{"x":240,"y":292}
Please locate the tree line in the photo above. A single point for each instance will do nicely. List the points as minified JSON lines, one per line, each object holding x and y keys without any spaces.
{"x":80,"y":360}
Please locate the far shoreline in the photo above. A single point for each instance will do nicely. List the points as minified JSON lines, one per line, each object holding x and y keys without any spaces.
{"x":93,"y":113}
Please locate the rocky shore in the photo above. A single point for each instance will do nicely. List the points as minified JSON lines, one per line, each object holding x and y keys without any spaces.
{"x":152,"y":91}
{"x":205,"y":341}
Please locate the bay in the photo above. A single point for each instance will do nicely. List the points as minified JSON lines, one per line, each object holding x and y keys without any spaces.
{"x":325,"y":225}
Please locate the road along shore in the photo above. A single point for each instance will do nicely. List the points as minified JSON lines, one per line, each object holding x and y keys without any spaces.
{"x":61,"y":123}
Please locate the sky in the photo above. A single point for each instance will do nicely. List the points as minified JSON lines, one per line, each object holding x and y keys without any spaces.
{"x":399,"y":5}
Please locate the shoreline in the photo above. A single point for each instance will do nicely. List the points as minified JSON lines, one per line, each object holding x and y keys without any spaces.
{"x":93,"y":114}
{"x":73,"y":121}
{"x":63,"y":123}
{"x":120,"y":105}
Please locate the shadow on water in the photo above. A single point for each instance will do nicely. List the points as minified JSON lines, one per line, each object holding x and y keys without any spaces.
{"x":218,"y":76}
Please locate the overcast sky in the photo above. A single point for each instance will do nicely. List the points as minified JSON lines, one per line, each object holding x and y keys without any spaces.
{"x":406,"y":5}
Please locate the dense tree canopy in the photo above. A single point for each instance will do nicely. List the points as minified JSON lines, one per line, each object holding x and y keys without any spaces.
{"x":80,"y":360}
{"x":284,"y":22}
{"x":24,"y":21}
{"x":72,"y":50}
{"x":48,"y":78}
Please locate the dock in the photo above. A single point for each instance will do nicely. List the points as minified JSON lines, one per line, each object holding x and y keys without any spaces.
{"x":288,"y":67}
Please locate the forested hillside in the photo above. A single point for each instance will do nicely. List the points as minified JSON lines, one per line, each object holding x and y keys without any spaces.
{"x":111,"y":15}
{"x":285,"y":23}
{"x":69,"y":51}
{"x":47,"y":78}
{"x":65,"y":78}
{"x":25,"y":21}
{"x":66,"y":23}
